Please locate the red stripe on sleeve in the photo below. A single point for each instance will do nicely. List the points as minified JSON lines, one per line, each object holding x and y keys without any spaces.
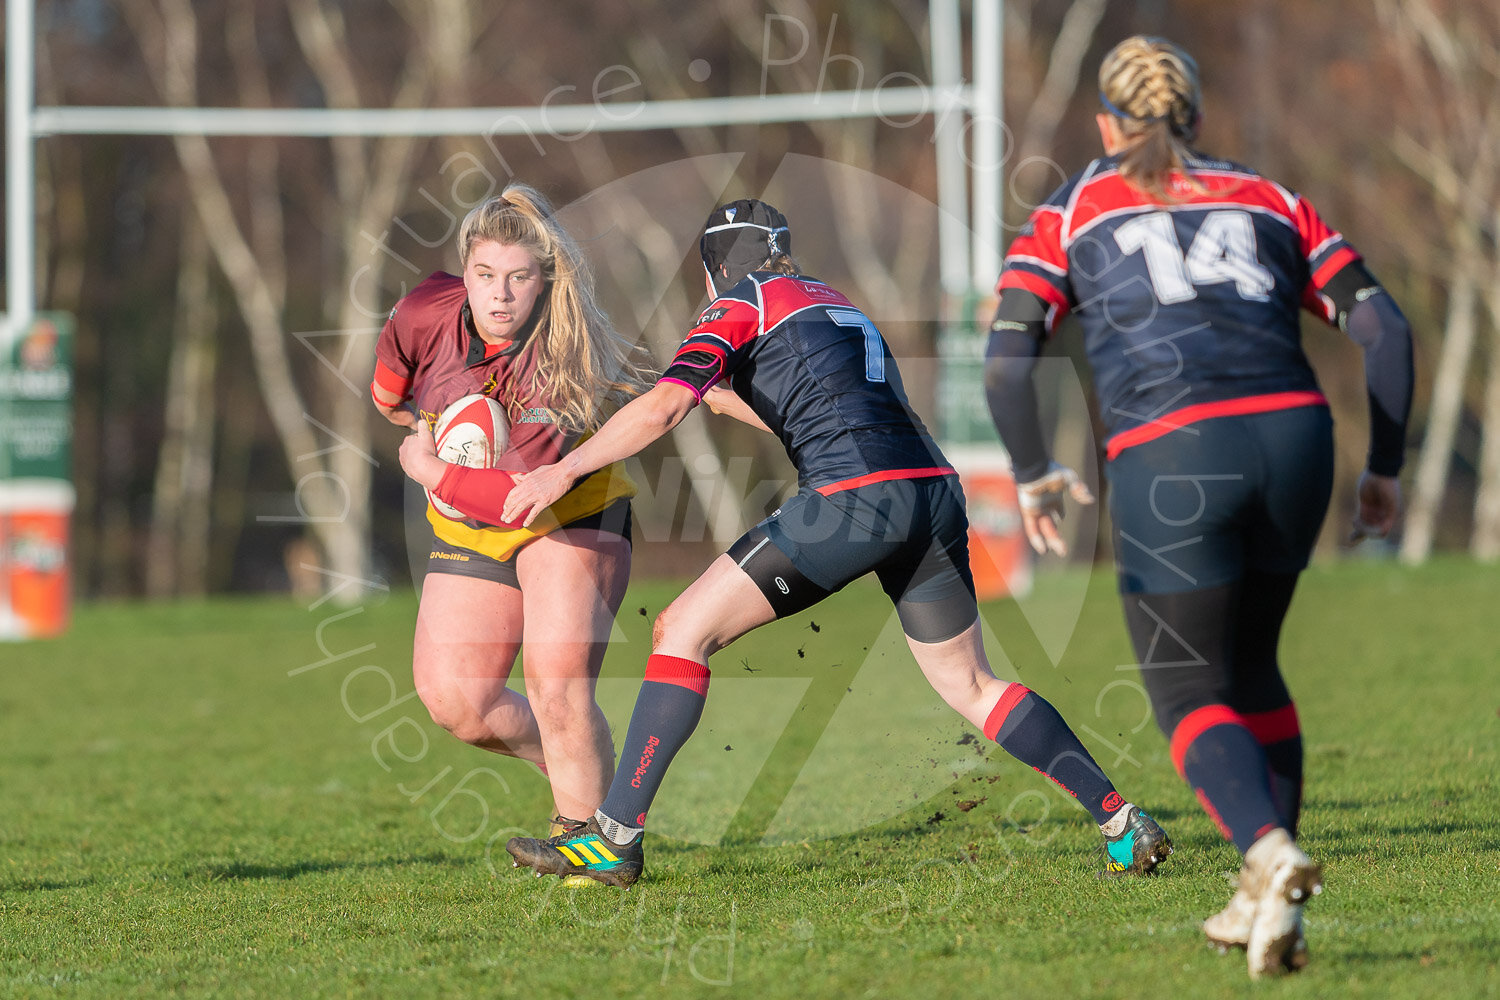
{"x":1198,"y":722}
{"x":1009,"y":700}
{"x":1274,"y":726}
{"x":691,"y":674}
{"x":397,"y":385}
{"x":1340,"y":258}
{"x":1311,"y":227}
{"x":1040,"y":287}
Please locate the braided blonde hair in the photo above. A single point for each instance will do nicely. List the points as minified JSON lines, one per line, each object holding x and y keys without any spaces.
{"x":1151,"y":87}
{"x":583,"y":365}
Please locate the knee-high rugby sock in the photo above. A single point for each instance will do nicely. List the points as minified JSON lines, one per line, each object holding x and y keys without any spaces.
{"x":1029,"y":729}
{"x":1260,"y":692}
{"x":1219,"y":757}
{"x":666,"y":712}
{"x":1280,"y":736}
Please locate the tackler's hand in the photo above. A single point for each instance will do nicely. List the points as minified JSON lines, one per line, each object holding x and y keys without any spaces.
{"x":1042,"y":506}
{"x":534,"y":492}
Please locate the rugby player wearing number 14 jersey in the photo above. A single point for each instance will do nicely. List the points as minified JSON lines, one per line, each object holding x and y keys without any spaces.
{"x":1187,"y":275}
{"x":785,"y":352}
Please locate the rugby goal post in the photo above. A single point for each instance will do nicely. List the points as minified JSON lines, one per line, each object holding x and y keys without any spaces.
{"x":967,"y":143}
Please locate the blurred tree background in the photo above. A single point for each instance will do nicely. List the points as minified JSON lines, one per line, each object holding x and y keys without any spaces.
{"x":228,"y":290}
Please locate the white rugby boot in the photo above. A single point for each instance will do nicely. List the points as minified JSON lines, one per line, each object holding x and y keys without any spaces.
{"x":1280,"y":879}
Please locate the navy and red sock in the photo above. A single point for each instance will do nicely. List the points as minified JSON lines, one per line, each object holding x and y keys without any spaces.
{"x":1219,"y":757}
{"x":1027,"y":727}
{"x":1280,"y":736}
{"x":667,"y":710}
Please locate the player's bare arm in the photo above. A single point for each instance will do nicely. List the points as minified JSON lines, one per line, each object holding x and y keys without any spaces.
{"x":418,"y":454}
{"x":389,"y":405}
{"x":637,"y":424}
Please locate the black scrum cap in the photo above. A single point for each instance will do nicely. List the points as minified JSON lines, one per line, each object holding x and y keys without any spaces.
{"x":741,"y":236}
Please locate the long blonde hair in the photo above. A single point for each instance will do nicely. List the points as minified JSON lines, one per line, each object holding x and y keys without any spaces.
{"x":582,"y":365}
{"x":1151,"y":87}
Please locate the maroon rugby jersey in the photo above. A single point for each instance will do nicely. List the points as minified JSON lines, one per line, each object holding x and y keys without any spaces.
{"x":429,"y":353}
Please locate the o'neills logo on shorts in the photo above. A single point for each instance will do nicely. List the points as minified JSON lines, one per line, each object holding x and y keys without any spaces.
{"x":640,"y":769}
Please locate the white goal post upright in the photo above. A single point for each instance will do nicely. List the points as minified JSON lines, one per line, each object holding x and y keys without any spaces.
{"x":20,"y":170}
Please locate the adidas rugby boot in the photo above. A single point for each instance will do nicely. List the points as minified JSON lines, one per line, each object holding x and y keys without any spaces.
{"x":558,"y":826}
{"x":583,"y":852}
{"x":1133,"y":843}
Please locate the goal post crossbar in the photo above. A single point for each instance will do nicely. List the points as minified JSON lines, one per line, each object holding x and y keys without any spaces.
{"x":968,"y":241}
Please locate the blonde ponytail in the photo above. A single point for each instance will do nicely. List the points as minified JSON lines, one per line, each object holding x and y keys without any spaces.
{"x":1151,"y":86}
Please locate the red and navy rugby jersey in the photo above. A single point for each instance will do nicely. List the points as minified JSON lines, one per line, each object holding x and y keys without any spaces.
{"x":1189,"y":308}
{"x":818,"y":373}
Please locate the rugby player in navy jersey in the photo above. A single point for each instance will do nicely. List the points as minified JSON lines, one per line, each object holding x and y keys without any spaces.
{"x":1187,"y":275}
{"x":787,"y":353}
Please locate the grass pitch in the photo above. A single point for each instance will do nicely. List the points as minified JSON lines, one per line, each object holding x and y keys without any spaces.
{"x":242,"y":798}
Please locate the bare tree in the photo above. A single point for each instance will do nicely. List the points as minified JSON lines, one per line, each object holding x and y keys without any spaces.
{"x":1452,"y":141}
{"x":177,"y":551}
{"x":326,"y":445}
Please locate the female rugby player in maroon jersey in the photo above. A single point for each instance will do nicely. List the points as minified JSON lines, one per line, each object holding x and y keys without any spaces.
{"x":1187,"y":275}
{"x":791,"y":355}
{"x":521,"y":326}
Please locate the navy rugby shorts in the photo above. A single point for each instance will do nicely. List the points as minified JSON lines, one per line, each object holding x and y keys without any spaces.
{"x":1201,"y":506}
{"x":912,"y":534}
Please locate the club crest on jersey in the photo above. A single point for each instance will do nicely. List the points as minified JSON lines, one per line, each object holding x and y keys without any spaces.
{"x":729,"y":214}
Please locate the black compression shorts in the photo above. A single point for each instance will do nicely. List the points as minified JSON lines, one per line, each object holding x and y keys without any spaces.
{"x":912,"y":533}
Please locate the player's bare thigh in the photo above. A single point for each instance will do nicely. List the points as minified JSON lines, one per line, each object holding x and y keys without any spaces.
{"x":573,"y":583}
{"x":467,"y":636}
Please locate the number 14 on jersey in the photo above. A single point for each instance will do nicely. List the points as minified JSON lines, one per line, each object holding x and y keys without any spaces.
{"x":1223,"y":250}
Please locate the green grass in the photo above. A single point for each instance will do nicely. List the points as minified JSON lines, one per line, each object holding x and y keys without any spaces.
{"x":184,"y":814}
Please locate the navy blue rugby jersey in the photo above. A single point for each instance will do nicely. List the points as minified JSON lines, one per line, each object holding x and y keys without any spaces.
{"x":1189,"y":308}
{"x":818,"y":372}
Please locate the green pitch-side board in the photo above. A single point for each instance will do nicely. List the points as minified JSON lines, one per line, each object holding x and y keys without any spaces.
{"x":36,"y":488}
{"x":36,"y":393}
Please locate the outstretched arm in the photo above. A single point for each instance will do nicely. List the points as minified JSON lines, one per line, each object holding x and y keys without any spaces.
{"x":636,"y":425}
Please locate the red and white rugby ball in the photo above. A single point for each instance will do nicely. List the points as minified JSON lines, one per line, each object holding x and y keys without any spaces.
{"x":470,"y":432}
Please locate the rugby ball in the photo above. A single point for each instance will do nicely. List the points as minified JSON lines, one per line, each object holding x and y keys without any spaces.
{"x":470,"y":432}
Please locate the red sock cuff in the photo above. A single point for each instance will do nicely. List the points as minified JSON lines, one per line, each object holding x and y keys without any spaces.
{"x":1009,"y":700}
{"x":1195,"y":724}
{"x":1275,"y":726}
{"x":675,"y":670}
